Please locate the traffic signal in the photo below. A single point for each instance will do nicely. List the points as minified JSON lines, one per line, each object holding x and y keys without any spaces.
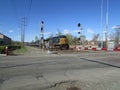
{"x":42,"y":38}
{"x":41,"y":29}
{"x":78,"y":32}
{"x":79,"y":39}
{"x":42,"y":22}
{"x":79,"y":24}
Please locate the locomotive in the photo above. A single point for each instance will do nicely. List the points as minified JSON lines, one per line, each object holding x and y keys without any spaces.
{"x":60,"y":41}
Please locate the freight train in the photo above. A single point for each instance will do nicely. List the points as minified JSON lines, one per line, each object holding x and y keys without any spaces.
{"x":58,"y":42}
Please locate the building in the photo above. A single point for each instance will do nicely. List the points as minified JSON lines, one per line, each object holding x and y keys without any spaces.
{"x":4,"y":40}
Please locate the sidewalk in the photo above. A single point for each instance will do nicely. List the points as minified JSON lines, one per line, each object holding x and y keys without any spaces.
{"x":2,"y":55}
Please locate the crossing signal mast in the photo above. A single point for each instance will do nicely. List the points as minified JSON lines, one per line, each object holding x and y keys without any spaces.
{"x":81,"y":38}
{"x":42,"y":34}
{"x":79,"y":25}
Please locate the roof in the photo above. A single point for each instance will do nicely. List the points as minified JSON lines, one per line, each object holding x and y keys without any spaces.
{"x":1,"y":36}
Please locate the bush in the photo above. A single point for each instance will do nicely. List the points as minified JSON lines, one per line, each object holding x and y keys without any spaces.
{"x":2,"y":49}
{"x":10,"y":48}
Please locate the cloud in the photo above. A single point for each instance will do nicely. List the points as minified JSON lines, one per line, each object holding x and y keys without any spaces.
{"x":47,"y":33}
{"x":10,"y":31}
{"x":66,"y":31}
{"x":117,"y":27}
{"x":90,"y":31}
{"x":104,"y":31}
{"x":76,"y":30}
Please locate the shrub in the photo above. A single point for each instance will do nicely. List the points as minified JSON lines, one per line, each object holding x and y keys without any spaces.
{"x":10,"y":48}
{"x":2,"y":49}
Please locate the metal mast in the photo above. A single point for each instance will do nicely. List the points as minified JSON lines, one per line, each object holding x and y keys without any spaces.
{"x":42,"y":34}
{"x":107,"y":26}
{"x":23,"y":28}
{"x":102,"y":23}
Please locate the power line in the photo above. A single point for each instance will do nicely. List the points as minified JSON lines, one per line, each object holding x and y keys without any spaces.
{"x":13,"y":4}
{"x":15,"y":8}
{"x":29,"y":10}
{"x":24,"y":19}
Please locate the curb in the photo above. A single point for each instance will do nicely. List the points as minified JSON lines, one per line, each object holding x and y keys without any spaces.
{"x":2,"y":54}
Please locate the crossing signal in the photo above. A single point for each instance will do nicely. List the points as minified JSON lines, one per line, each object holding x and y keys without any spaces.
{"x":79,"y":39}
{"x":79,"y":24}
{"x":78,"y":32}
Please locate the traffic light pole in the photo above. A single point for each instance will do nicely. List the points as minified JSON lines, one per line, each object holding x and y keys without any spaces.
{"x":80,"y":32}
{"x":42,"y":35}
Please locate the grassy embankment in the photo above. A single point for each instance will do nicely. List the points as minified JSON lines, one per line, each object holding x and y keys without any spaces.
{"x":22,"y":50}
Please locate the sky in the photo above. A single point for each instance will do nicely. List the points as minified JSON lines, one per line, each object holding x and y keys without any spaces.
{"x":58,"y":16}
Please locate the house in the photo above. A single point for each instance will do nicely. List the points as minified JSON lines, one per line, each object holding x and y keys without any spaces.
{"x":4,"y":40}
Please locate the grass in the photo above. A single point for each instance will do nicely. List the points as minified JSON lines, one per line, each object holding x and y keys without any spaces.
{"x":20,"y":51}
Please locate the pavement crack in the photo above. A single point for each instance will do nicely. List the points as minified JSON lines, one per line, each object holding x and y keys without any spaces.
{"x":60,"y":83}
{"x":38,"y":76}
{"x":1,"y":81}
{"x":65,"y":74}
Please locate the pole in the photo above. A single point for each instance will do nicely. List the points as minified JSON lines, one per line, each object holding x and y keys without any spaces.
{"x":107,"y":26}
{"x":79,"y":32}
{"x":101,"y":23}
{"x":23,"y":28}
{"x":42,"y":34}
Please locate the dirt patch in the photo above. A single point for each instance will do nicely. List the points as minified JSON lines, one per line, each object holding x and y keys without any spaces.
{"x":73,"y":88}
{"x":67,"y":85}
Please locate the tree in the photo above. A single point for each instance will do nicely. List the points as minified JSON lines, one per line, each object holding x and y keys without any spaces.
{"x":115,"y":36}
{"x":58,"y":32}
{"x":95,"y":38}
{"x":117,"y":33}
{"x":69,"y":37}
{"x":75,"y":41}
{"x":36,"y":38}
{"x":112,"y":36}
{"x":72,"y":40}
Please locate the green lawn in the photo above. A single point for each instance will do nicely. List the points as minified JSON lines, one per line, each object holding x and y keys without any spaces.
{"x":20,"y":51}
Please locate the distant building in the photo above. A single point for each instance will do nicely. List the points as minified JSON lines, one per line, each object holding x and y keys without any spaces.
{"x":4,"y":40}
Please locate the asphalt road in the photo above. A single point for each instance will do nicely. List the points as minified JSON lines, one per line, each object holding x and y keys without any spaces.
{"x":42,"y":71}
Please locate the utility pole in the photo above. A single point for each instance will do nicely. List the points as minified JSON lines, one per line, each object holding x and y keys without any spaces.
{"x":42,"y":34}
{"x":107,"y":26}
{"x":102,"y":23}
{"x":23,"y":28}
